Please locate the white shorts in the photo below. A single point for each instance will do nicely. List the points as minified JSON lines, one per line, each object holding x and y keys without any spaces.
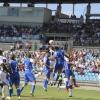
{"x":2,"y":77}
{"x":52,"y":64}
{"x":69,"y":83}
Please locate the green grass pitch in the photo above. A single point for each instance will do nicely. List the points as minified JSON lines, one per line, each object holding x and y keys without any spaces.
{"x":53,"y":94}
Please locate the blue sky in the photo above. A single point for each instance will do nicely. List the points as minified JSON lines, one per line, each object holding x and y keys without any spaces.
{"x":67,"y":8}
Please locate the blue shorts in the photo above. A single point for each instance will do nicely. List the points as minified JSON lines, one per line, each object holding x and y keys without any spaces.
{"x":59,"y":66}
{"x":46,"y":71}
{"x":15,"y":80}
{"x":29,"y":77}
{"x":68,"y":73}
{"x":7,"y":81}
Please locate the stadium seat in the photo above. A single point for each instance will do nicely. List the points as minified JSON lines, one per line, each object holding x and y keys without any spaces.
{"x":63,"y":75}
{"x":91,"y":79}
{"x":95,"y":80}
{"x":89,"y":74}
{"x":83,"y":78}
{"x":85,"y":71}
{"x":96,"y":74}
{"x":92,"y":74}
{"x":79,"y":78}
{"x":76,"y":73}
{"x":76,"y":77}
{"x":55,"y":75}
{"x":87,"y":78}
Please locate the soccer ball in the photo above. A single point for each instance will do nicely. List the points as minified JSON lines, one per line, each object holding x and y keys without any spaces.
{"x":51,"y":42}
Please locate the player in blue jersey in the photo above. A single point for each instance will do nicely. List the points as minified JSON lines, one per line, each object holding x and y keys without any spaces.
{"x":14,"y":78}
{"x":68,"y":74}
{"x":29,"y":76}
{"x":8,"y":81}
{"x":47,"y":68}
{"x":72,"y":78}
{"x":59,"y":55}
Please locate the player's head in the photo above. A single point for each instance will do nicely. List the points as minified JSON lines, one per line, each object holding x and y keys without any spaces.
{"x":48,"y":53}
{"x":56,"y":48}
{"x":29,"y":55}
{"x":12,"y":57}
{"x":0,"y":52}
{"x":50,"y":48}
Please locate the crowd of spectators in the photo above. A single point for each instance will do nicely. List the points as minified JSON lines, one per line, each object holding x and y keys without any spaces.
{"x":84,"y":59}
{"x":84,"y":34}
{"x":89,"y":35}
{"x":21,"y":55}
{"x":52,"y":27}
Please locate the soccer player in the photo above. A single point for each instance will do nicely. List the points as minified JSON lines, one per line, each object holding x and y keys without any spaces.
{"x":14,"y":78}
{"x":52,"y":63}
{"x":8,"y":81}
{"x":59,"y":55}
{"x":3,"y":71}
{"x":47,"y":68}
{"x":29,"y":76}
{"x":68,"y":73}
{"x":72,"y":76}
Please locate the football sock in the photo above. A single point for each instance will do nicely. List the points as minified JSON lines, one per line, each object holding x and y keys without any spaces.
{"x":33,"y":88}
{"x":18,"y":92}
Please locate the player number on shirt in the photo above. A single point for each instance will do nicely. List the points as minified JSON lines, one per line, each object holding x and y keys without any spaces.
{"x":16,"y":69}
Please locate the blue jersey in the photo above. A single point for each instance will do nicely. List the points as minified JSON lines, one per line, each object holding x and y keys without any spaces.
{"x":68,"y":71}
{"x":47,"y":62}
{"x":28,"y":64}
{"x":15,"y":78}
{"x":14,"y":67}
{"x":60,"y":55}
{"x":67,"y":66}
{"x":29,"y":76}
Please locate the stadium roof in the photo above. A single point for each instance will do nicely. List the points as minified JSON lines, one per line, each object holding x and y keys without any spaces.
{"x":51,"y":1}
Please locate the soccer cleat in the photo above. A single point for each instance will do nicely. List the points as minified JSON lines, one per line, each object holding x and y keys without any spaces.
{"x":76,"y":86}
{"x":19,"y":98}
{"x":9,"y":98}
{"x":32,"y":94}
{"x":67,"y":89}
{"x":44,"y":88}
{"x":70,"y":96}
{"x":3,"y":98}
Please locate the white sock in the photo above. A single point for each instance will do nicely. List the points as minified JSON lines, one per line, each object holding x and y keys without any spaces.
{"x":3,"y":92}
{"x":70,"y":92}
{"x":69,"y":82}
{"x":51,"y":75}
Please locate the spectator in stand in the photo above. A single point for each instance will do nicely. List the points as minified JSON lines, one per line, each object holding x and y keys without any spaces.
{"x":26,"y":45}
{"x":41,"y":46}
